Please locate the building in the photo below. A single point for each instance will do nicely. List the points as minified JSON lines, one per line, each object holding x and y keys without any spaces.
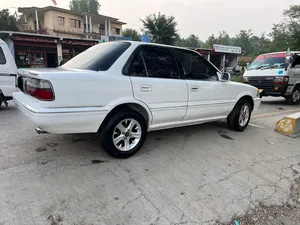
{"x":222,"y":56}
{"x":66,"y":23}
{"x":51,"y":35}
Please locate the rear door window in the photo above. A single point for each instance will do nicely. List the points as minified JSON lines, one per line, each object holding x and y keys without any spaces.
{"x":2,"y":57}
{"x":160,"y":62}
{"x":156,"y":62}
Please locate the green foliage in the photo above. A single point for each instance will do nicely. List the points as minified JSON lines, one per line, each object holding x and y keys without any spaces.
{"x":191,"y":41}
{"x":222,"y":39}
{"x":283,"y":36}
{"x":85,"y":6}
{"x":7,"y":21}
{"x":128,"y":32}
{"x":161,"y":27}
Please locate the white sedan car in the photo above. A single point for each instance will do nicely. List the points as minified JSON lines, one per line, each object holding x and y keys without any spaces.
{"x":124,"y":89}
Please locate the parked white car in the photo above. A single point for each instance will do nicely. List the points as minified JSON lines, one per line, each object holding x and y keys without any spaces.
{"x":8,"y":73}
{"x":124,"y":89}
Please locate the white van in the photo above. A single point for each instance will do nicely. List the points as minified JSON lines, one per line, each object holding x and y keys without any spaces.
{"x":8,"y":73}
{"x":276,"y":74}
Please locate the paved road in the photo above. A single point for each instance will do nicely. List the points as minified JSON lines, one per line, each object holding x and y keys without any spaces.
{"x":274,"y":105}
{"x":194,"y":175}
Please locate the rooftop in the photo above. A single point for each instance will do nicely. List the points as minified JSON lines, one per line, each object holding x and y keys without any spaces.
{"x":48,"y":8}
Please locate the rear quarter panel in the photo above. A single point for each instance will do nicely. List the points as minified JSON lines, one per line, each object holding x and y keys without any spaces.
{"x":90,"y":89}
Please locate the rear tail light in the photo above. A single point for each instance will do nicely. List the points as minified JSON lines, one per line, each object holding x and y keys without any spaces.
{"x":40,"y":89}
{"x":245,"y":80}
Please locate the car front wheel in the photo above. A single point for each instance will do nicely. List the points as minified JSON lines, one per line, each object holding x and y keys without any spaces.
{"x":240,"y":116}
{"x":124,"y":134}
{"x":294,"y":98}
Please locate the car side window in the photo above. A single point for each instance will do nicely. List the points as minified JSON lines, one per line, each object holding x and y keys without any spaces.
{"x":160,"y":62}
{"x":2,"y":57}
{"x":296,"y":63}
{"x":137,"y":67}
{"x":195,"y":67}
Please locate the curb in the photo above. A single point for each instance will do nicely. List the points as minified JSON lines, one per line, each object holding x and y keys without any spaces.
{"x":289,"y":125}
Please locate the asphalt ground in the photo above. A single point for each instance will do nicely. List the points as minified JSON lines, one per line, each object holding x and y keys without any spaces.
{"x":204,"y":174}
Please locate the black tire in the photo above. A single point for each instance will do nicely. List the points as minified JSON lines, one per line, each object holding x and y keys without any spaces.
{"x":290,"y":99}
{"x":1,"y":100}
{"x":233,"y":118}
{"x":107,"y":132}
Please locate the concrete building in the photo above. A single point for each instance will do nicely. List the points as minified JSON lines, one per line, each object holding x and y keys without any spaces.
{"x":62,"y":22}
{"x":222,"y":56}
{"x":51,"y":35}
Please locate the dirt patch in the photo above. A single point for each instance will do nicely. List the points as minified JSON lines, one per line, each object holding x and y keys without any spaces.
{"x":287,"y":214}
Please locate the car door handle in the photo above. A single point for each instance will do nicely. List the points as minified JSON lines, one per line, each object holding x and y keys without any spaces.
{"x":146,"y":88}
{"x":195,"y":88}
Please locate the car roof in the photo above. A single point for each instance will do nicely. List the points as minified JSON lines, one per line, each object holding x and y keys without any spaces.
{"x":293,"y":52}
{"x":138,"y":43}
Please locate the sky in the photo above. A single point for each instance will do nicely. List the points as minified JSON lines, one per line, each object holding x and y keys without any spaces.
{"x":199,"y":17}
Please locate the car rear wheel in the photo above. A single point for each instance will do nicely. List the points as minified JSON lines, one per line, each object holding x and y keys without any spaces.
{"x":124,"y":134}
{"x":240,"y":116}
{"x":294,"y":98}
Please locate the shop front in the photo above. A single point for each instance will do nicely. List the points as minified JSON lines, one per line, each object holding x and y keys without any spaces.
{"x":35,"y":52}
{"x":71,"y":48}
{"x":223,"y":57}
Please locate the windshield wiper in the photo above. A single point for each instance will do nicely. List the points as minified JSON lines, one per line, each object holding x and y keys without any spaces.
{"x":261,"y":67}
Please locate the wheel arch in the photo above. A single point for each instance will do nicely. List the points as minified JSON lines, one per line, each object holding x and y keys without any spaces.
{"x":246,"y":97}
{"x":140,"y":108}
{"x":296,"y":85}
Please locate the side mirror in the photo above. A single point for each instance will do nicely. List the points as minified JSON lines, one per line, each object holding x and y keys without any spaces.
{"x":288,"y":61}
{"x":226,"y":76}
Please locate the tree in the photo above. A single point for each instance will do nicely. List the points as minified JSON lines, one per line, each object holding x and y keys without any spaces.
{"x":243,"y":39}
{"x":85,"y":6}
{"x":7,"y":21}
{"x":223,"y":38}
{"x":293,"y":26}
{"x":211,"y":40}
{"x":128,"y":32}
{"x":191,"y":41}
{"x":161,"y":27}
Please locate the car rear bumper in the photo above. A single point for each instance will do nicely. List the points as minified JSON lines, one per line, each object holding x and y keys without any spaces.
{"x":61,"y":120}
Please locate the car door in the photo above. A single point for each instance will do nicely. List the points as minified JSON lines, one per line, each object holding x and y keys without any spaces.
{"x":209,"y":97}
{"x":294,"y":71}
{"x":8,"y":71}
{"x":156,"y":81}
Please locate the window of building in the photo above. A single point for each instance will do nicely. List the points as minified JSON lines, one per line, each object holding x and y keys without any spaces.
{"x":2,"y":57}
{"x":102,"y":29}
{"x":116,"y":30}
{"x":195,"y":67}
{"x":61,"y":20}
{"x":75,"y":23}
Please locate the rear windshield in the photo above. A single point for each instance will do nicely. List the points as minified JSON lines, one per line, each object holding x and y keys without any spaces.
{"x":2,"y":57}
{"x":99,"y":57}
{"x":268,"y":61}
